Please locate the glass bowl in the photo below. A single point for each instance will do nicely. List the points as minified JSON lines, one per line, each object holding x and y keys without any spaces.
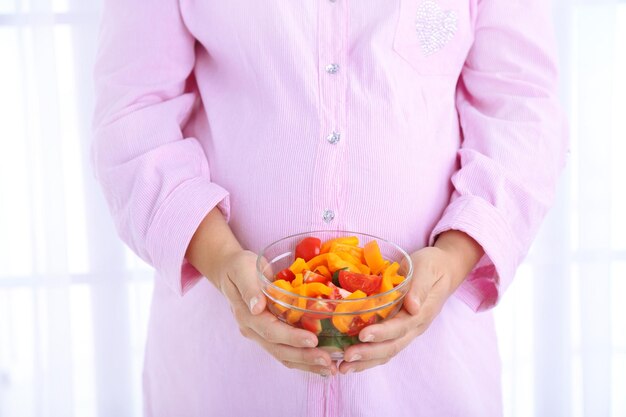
{"x":336,"y":322}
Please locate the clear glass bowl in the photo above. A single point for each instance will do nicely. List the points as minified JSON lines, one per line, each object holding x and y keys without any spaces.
{"x":337,"y":323}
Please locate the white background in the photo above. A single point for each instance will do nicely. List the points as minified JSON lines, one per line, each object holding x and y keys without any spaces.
{"x":74,"y":302}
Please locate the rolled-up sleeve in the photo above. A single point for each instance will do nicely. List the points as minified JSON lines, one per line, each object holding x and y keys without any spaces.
{"x":514,"y":142}
{"x":157,"y":182}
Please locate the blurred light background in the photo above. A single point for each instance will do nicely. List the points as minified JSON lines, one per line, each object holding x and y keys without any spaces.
{"x":74,"y":302}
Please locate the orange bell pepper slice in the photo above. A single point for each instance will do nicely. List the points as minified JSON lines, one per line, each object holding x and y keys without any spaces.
{"x":335,"y":262}
{"x":397,"y":280}
{"x":363,"y":269}
{"x":342,"y":322}
{"x":297,"y":281}
{"x":277,"y":295}
{"x":298,"y":266}
{"x":355,"y":251}
{"x":293,"y":315}
{"x":314,"y":289}
{"x":374,"y":258}
{"x":319,"y":260}
{"x":323,"y":270}
{"x":348,"y":240}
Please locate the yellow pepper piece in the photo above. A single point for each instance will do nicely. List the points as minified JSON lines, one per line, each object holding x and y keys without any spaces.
{"x":397,"y":280}
{"x":281,"y":283}
{"x":335,"y":262}
{"x":368,"y":305}
{"x":373,"y":257}
{"x":293,"y":316}
{"x":364,"y":269}
{"x":391,"y":272}
{"x":386,"y":284}
{"x":297,"y":281}
{"x":392,"y":269}
{"x":281,"y":309}
{"x":355,"y":251}
{"x":387,"y":299}
{"x":277,"y":295}
{"x":323,"y":270}
{"x":313,"y":289}
{"x":298,"y":266}
{"x":342,"y":322}
{"x":349,"y":240}
{"x":319,"y":260}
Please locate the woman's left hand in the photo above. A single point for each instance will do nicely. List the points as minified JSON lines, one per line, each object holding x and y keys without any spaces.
{"x":437,"y":273}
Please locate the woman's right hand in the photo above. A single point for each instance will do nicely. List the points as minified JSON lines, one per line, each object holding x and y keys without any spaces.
{"x":294,"y":348}
{"x":216,"y":253}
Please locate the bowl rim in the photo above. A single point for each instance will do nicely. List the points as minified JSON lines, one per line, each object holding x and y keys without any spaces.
{"x":261,"y":276}
{"x":334,"y":313}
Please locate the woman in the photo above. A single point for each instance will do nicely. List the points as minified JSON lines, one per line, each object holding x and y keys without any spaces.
{"x":223,"y":126}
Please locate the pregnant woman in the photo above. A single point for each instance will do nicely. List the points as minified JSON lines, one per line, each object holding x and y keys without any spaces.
{"x":223,"y":126}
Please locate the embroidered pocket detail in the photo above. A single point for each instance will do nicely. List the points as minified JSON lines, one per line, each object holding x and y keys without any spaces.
{"x":434,"y":36}
{"x":435,"y":27}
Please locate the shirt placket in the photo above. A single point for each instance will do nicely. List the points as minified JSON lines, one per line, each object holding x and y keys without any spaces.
{"x":333,"y":142}
{"x":333,"y":138}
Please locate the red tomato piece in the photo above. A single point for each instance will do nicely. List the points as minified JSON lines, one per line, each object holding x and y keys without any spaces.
{"x":319,"y":309}
{"x":358,"y":324}
{"x":310,"y":276}
{"x":353,"y":281}
{"x":311,"y":324}
{"x":308,"y":248}
{"x":286,"y":274}
{"x":335,"y":295}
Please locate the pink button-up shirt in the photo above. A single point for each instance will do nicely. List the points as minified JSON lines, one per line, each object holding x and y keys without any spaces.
{"x":399,"y":118}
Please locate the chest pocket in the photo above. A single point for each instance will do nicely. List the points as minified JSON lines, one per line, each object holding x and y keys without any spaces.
{"x":434,"y":36}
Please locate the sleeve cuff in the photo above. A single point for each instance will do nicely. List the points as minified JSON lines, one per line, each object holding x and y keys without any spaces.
{"x":174,"y":225}
{"x":494,"y":272}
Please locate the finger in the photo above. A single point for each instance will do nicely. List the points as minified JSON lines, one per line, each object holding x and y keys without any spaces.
{"x":377,"y":351}
{"x":320,"y":370}
{"x":311,"y":357}
{"x":266,"y":324}
{"x":394,"y":328}
{"x":348,"y":367}
{"x":273,"y":330}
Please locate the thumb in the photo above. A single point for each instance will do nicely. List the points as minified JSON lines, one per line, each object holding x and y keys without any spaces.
{"x":248,"y":284}
{"x":251,"y":293}
{"x":417,"y":294}
{"x":414,"y":299}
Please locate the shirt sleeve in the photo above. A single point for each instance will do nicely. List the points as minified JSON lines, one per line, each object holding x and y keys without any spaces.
{"x":514,"y":142}
{"x":156,"y":182}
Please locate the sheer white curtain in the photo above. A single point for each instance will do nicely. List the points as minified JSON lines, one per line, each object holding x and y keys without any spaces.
{"x":74,"y":302}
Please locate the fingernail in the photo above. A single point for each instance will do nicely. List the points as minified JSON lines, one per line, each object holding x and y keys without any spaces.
{"x":308,"y":342}
{"x":325,"y":373}
{"x":354,"y":358}
{"x":253,"y":302}
{"x":349,"y":371}
{"x":368,"y":338}
{"x":321,"y":361}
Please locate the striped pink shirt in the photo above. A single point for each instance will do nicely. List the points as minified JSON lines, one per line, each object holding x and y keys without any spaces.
{"x":398,"y":118}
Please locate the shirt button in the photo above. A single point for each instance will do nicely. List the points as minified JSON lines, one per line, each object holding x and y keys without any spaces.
{"x":332,"y":68}
{"x":328,"y":215}
{"x":333,"y":138}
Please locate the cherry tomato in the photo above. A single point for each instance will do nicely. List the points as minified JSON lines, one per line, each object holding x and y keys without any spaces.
{"x":353,"y":281}
{"x":308,"y":248}
{"x":286,"y":274}
{"x":310,"y":276}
